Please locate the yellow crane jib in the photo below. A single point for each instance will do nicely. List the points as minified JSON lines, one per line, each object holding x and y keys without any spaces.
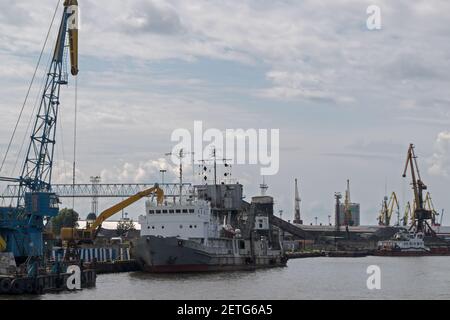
{"x":73,"y":21}
{"x":68,"y":234}
{"x":2,"y":244}
{"x":71,"y":14}
{"x":408,"y":215}
{"x":387,"y":210}
{"x":430,"y":206}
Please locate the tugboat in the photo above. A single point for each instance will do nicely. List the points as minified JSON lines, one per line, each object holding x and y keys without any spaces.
{"x":404,"y":244}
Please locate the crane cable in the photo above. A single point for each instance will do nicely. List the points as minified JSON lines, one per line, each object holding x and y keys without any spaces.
{"x":29,"y":88}
{"x":25,"y":134}
{"x":75,"y":142}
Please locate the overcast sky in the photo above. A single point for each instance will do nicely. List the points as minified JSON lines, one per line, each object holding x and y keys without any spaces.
{"x":348,"y":101}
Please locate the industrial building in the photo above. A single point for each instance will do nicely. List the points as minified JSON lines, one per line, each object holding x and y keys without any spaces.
{"x":355,"y":219}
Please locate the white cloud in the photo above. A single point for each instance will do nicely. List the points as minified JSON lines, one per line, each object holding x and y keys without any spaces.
{"x":440,"y":161}
{"x":302,"y":53}
{"x":142,"y":172}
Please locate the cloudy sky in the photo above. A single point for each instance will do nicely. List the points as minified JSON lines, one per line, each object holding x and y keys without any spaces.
{"x":348,"y":101}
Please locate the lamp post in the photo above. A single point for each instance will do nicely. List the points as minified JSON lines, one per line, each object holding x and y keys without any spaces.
{"x":163,"y":172}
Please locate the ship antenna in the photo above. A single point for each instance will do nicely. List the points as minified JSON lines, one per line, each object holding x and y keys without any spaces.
{"x":264,"y":187}
{"x":181,"y":155}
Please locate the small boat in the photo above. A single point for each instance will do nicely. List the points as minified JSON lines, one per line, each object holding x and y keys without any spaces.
{"x":404,"y":244}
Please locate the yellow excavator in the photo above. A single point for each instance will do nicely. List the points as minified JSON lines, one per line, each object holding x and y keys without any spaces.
{"x":90,"y":233}
{"x":2,"y":244}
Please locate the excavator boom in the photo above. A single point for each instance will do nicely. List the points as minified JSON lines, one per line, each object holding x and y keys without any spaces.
{"x":71,"y":234}
{"x":2,"y":244}
{"x":126,"y":203}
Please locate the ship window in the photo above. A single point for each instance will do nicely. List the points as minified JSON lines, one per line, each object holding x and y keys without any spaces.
{"x":241,"y":244}
{"x":185,"y":211}
{"x":151,"y":212}
{"x":195,"y":227}
{"x":158,"y":211}
{"x":178,"y":211}
{"x":162,"y":227}
{"x":181,"y":226}
{"x":164,"y":211}
{"x":191,"y":211}
{"x":153,"y":227}
{"x":190,"y":227}
{"x":171,"y":211}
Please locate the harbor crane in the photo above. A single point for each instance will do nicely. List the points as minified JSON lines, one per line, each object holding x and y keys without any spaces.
{"x":408,"y":214}
{"x":421,"y":215}
{"x":22,"y":225}
{"x":89,"y":234}
{"x":348,"y":221}
{"x":388,"y":207}
{"x":430,"y":206}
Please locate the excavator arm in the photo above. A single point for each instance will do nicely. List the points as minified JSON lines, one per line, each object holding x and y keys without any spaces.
{"x":126,"y":203}
{"x":70,"y":234}
{"x":2,"y":244}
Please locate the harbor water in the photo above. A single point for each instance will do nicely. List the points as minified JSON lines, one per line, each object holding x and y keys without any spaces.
{"x":310,"y":278}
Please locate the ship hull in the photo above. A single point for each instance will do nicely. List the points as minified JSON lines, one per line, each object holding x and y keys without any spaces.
{"x":172,"y":255}
{"x":404,"y":253}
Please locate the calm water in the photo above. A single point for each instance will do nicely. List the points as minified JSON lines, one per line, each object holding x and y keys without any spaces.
{"x":315,"y":278}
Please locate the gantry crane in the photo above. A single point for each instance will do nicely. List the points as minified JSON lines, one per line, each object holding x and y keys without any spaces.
{"x":387,"y":209}
{"x":89,"y":234}
{"x":420,"y":213}
{"x":21,"y":226}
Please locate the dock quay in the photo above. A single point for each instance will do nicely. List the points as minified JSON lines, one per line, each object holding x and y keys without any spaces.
{"x":115,"y":266}
{"x":301,"y":255}
{"x":40,"y":278}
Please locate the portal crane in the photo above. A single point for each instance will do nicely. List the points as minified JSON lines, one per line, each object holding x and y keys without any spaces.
{"x":347,"y":207}
{"x":387,"y":209}
{"x":420,"y":213}
{"x":21,"y":227}
{"x":430,"y":206}
{"x":90,"y":233}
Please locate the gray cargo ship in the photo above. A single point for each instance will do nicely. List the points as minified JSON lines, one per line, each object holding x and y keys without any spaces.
{"x":212,"y":230}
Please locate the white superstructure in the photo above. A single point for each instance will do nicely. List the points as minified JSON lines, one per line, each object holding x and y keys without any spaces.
{"x":405,"y":242}
{"x":191,"y":220}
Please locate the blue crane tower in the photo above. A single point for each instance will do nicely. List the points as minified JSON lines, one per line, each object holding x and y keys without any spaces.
{"x":22,"y":225}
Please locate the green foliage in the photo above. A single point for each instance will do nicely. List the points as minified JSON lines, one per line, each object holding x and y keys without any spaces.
{"x":67,"y":218}
{"x":124,"y":226}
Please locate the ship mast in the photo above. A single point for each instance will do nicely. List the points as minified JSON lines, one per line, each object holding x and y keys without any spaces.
{"x":181,"y":155}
